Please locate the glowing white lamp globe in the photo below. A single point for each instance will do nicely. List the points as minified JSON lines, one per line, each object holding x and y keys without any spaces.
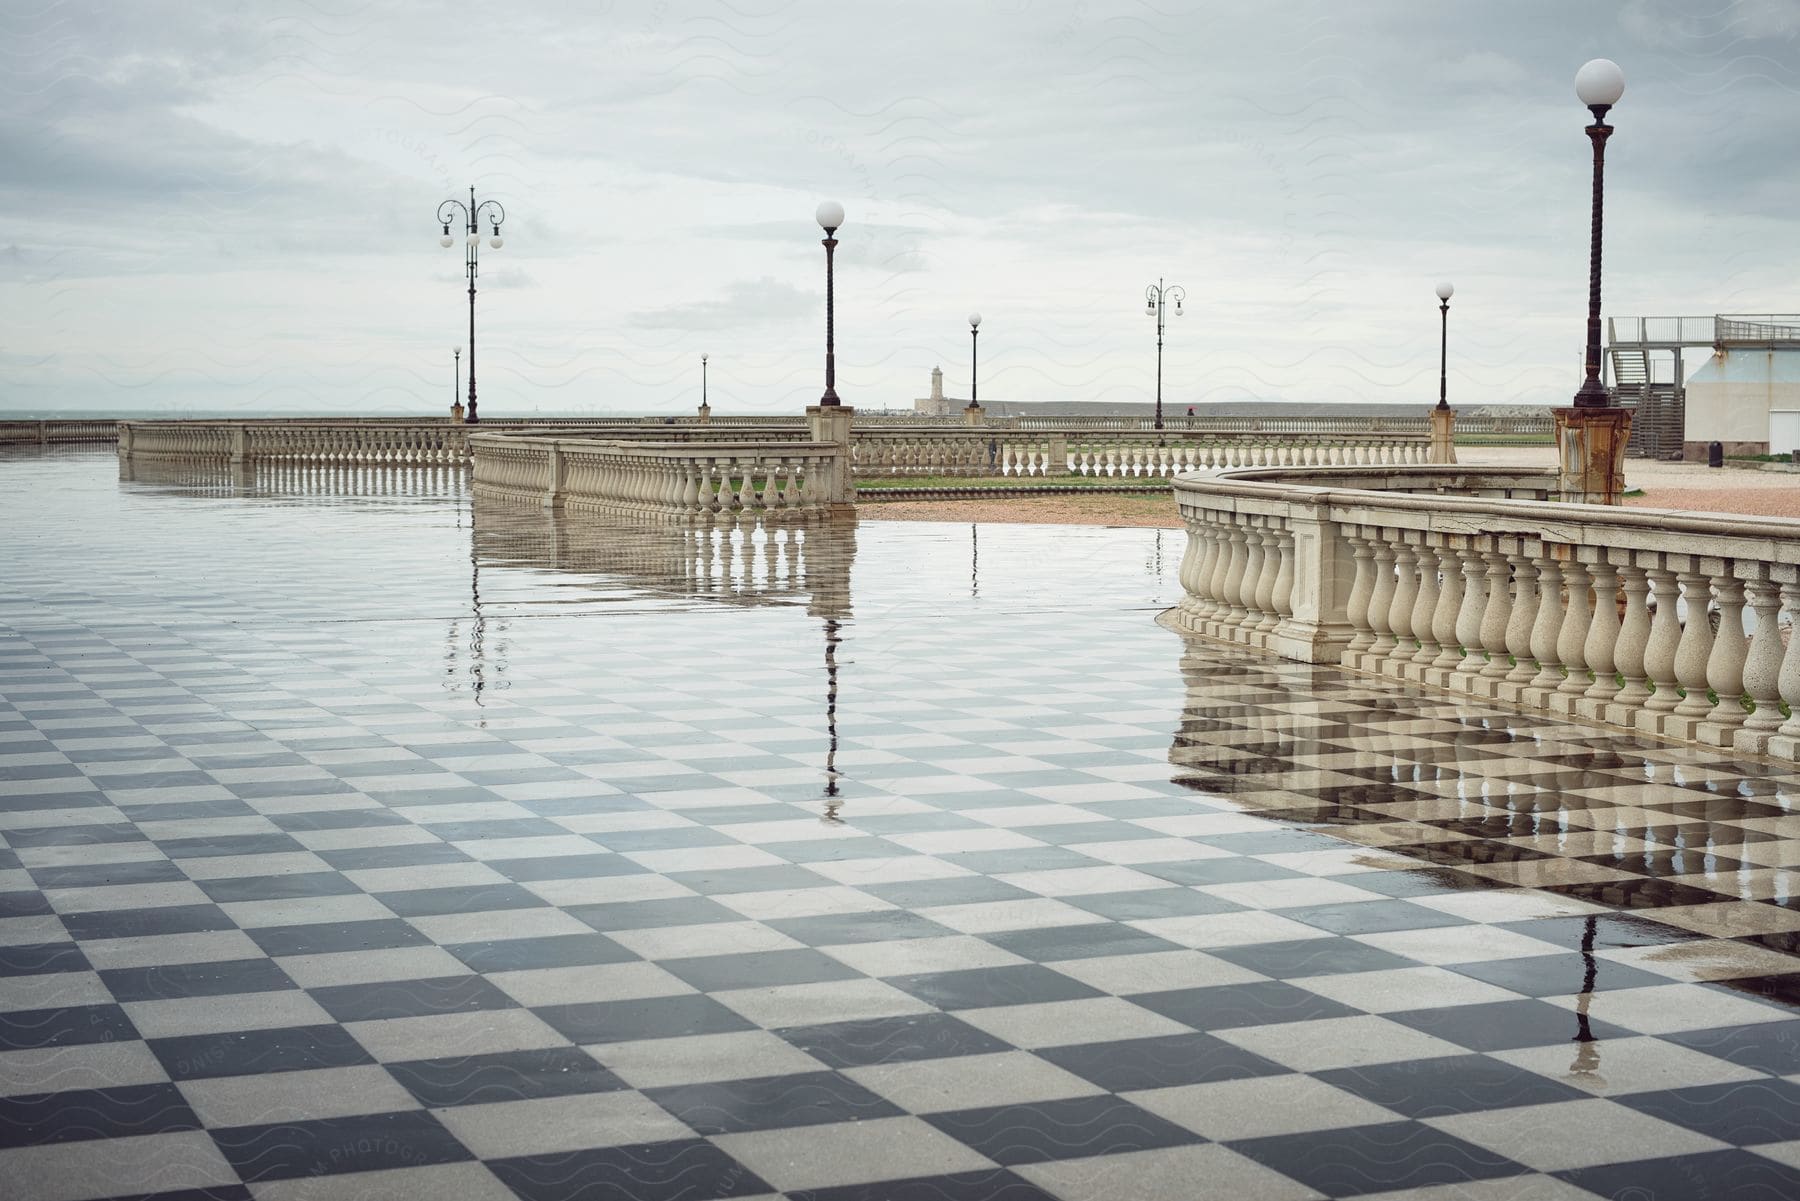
{"x":974,"y":320}
{"x":1446,"y":290}
{"x":496,"y":241}
{"x":446,"y":241}
{"x":830,"y":216}
{"x":1599,"y":82}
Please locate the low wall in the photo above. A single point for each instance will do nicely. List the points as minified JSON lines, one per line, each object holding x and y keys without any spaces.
{"x":1472,"y":580}
{"x":47,"y":433}
{"x":663,"y":480}
{"x":980,"y":451}
{"x":876,"y":450}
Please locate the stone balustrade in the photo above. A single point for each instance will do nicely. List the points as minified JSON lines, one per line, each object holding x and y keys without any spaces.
{"x":663,"y":480}
{"x":1112,"y":453}
{"x":1464,"y":579}
{"x":51,"y":432}
{"x":877,"y":450}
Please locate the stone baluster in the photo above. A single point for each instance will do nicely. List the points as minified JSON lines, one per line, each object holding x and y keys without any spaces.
{"x":1381,"y":598}
{"x":1356,"y":608}
{"x":1496,"y":617}
{"x":1205,"y":601}
{"x":1465,"y":625}
{"x":1660,"y":652}
{"x":1220,"y":533}
{"x":1252,"y":575}
{"x":1232,"y":592}
{"x":1789,"y":678}
{"x":1188,"y":572}
{"x":1762,"y":666}
{"x":1425,"y":606}
{"x":1265,"y":584}
{"x":1632,"y":642}
{"x":1695,"y":647}
{"x":1578,"y":615}
{"x":1730,"y":649}
{"x":1406,"y":596}
{"x":1284,"y":577}
{"x":1547,"y":627}
{"x":1452,"y":592}
{"x":1600,"y":650}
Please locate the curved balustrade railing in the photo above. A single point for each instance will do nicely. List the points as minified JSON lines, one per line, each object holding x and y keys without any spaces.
{"x":663,"y":480}
{"x":1668,"y":623}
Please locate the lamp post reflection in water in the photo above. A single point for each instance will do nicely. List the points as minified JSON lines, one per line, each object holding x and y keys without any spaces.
{"x":1587,"y":1050}
{"x":832,"y":801}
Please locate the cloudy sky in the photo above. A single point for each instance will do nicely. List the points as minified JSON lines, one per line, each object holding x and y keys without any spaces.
{"x":229,"y":206}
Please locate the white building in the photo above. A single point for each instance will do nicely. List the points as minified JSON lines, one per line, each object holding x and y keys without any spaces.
{"x":1748,"y":397}
{"x":1745,"y":397}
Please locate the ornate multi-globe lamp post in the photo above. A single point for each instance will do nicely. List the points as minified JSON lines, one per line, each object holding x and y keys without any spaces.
{"x":472,"y":215}
{"x":1156,"y":301}
{"x":1591,"y":436}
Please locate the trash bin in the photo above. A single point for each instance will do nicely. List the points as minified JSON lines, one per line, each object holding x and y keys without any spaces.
{"x":1715,"y":454}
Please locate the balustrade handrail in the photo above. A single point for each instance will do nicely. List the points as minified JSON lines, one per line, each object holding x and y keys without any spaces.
{"x":1273,"y":482}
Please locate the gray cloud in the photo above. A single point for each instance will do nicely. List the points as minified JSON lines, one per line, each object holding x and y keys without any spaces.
{"x":203,"y":199}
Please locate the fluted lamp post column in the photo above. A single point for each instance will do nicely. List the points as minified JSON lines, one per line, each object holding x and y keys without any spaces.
{"x":973,"y":414}
{"x":829,"y":420}
{"x":1591,"y":435}
{"x":1443,"y":417}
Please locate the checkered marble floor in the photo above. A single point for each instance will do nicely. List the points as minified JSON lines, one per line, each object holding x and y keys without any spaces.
{"x":350,"y":852}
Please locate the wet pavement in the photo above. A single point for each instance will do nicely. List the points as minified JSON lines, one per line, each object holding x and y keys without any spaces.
{"x":356,"y":845}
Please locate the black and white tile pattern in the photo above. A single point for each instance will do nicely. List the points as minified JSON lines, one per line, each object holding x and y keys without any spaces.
{"x":343,"y":856}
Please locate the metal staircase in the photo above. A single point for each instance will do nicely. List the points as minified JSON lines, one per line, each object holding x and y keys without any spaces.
{"x":1645,"y":356}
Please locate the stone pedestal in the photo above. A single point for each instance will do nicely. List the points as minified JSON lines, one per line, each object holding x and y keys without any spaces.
{"x":972,"y":415}
{"x":1443,"y":435}
{"x":831,"y":423}
{"x":705,"y":414}
{"x":456,"y":412}
{"x":1590,"y":451}
{"x":1318,"y":629}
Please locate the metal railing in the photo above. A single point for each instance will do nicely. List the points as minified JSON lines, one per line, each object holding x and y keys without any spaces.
{"x":1757,"y":329}
{"x":1686,"y":331}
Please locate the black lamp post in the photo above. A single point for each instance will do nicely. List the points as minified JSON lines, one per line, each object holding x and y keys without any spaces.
{"x":1445,"y":291}
{"x":471,"y":221}
{"x":703,"y":381}
{"x":830,"y":217}
{"x":1599,"y":84}
{"x":1156,"y":300}
{"x":456,"y":384}
{"x":974,"y":360}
